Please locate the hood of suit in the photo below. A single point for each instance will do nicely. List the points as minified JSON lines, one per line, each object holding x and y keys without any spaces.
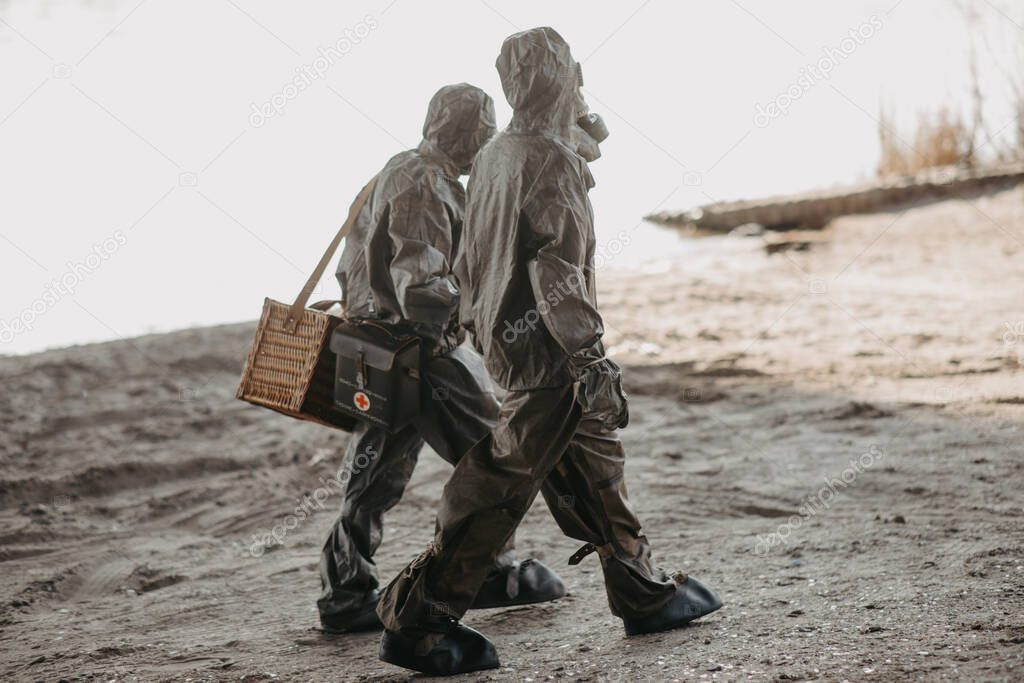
{"x":541,"y":81}
{"x":460,"y":119}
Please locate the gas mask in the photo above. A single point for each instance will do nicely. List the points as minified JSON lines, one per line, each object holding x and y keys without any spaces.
{"x":588,"y":133}
{"x":590,"y":130}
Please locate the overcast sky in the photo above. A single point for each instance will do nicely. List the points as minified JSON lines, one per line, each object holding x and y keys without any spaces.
{"x":136,"y":171}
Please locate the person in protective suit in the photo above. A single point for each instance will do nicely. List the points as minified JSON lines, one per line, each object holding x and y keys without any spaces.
{"x":525,"y":267}
{"x":396,"y":268}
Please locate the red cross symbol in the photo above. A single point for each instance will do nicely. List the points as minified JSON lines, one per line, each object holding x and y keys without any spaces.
{"x":361,"y":401}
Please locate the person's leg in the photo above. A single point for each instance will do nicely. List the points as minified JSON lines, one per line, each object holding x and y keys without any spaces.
{"x":587,"y":496}
{"x":378,"y":467}
{"x":459,"y":409}
{"x":487,"y":495}
{"x":458,"y":404}
{"x":586,"y":493}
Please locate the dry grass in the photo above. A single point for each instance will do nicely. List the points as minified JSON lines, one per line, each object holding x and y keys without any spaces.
{"x":940,"y":139}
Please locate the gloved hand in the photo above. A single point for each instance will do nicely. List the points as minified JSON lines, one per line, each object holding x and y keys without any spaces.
{"x":599,"y":388}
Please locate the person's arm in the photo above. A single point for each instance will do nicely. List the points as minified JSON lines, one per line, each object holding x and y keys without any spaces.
{"x":561,"y":221}
{"x":420,"y":231}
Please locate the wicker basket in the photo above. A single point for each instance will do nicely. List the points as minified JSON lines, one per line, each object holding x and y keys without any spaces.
{"x":290,"y":368}
{"x":293,"y":372}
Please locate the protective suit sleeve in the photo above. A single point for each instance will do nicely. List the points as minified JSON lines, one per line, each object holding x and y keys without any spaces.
{"x":420,"y":230}
{"x":557,"y":272}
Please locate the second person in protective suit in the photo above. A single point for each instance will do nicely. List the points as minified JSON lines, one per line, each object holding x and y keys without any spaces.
{"x":526,"y":269}
{"x":396,"y":268}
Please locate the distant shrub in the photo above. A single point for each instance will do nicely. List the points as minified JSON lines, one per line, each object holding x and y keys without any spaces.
{"x":940,"y":139}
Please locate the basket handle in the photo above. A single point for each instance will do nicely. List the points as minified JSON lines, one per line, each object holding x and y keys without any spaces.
{"x":295,"y":313}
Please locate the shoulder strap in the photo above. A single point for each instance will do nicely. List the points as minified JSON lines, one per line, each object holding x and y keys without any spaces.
{"x":295,"y":314}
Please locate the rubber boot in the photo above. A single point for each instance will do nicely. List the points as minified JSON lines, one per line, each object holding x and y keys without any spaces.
{"x":524,"y":583}
{"x":692,"y":600}
{"x":460,"y":651}
{"x":364,"y":618}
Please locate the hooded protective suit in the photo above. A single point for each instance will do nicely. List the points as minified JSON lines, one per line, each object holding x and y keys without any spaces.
{"x":396,"y":267}
{"x":526,"y":274}
{"x":396,"y":264}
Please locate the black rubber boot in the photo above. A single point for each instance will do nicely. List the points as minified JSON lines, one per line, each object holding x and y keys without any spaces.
{"x":362,"y":619}
{"x":525,"y":583}
{"x":692,"y":600}
{"x":460,"y":651}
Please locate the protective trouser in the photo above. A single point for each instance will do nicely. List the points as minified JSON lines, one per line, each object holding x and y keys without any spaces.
{"x":459,"y":408}
{"x":542,"y":443}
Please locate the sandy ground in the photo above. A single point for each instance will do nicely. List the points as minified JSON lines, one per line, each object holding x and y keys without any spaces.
{"x":830,"y":437}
